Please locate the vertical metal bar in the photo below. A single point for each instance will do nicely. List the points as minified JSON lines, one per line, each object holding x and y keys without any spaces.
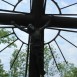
{"x":60,"y":51}
{"x":30,"y":5}
{"x":36,"y":65}
{"x":45,"y":1}
{"x":37,"y":11}
{"x":16,"y":56}
{"x":53,"y":57}
{"x":37,"y":7}
{"x":27,"y":57}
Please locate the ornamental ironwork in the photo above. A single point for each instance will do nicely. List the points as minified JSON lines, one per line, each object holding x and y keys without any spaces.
{"x":33,"y":23}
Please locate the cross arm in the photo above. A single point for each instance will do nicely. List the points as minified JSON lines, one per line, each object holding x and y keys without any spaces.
{"x":20,"y":19}
{"x":61,"y":21}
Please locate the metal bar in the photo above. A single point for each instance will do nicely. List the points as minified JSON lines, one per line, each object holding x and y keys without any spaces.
{"x":11,"y":26}
{"x":16,"y":56}
{"x":42,"y":28}
{"x":53,"y":38}
{"x":3,"y":10}
{"x":36,"y":64}
{"x":45,"y":5}
{"x":6,"y":35}
{"x":8,"y":45}
{"x":30,"y":5}
{"x":60,"y":21}
{"x":7,"y":2}
{"x":7,"y":27}
{"x":18,"y":26}
{"x":68,"y":41}
{"x":17,"y":4}
{"x":57,"y":5}
{"x":53,"y":57}
{"x":61,"y":14}
{"x":69,"y":5}
{"x":61,"y":29}
{"x":56,"y":21}
{"x":6,"y":19}
{"x":18,"y":37}
{"x":60,"y":51}
{"x":37,"y":11}
{"x":27,"y":57}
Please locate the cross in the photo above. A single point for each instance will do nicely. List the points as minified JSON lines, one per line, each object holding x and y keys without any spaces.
{"x":38,"y":19}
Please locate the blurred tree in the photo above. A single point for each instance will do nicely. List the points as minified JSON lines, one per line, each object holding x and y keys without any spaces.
{"x":18,"y":68}
{"x":3,"y":73}
{"x":6,"y":38}
{"x":68,"y":70}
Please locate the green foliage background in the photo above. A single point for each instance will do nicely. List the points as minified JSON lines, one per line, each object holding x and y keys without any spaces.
{"x":18,"y":69}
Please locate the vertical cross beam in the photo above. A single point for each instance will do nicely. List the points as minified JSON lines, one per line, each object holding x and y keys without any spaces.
{"x":36,"y":66}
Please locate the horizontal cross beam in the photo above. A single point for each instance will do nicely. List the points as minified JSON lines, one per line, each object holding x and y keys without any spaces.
{"x":60,"y":21}
{"x":20,"y":19}
{"x":25,"y":19}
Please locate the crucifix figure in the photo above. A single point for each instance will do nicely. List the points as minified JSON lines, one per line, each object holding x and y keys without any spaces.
{"x":33,"y":23}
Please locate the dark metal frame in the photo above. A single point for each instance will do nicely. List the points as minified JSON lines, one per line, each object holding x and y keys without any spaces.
{"x":39,"y":20}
